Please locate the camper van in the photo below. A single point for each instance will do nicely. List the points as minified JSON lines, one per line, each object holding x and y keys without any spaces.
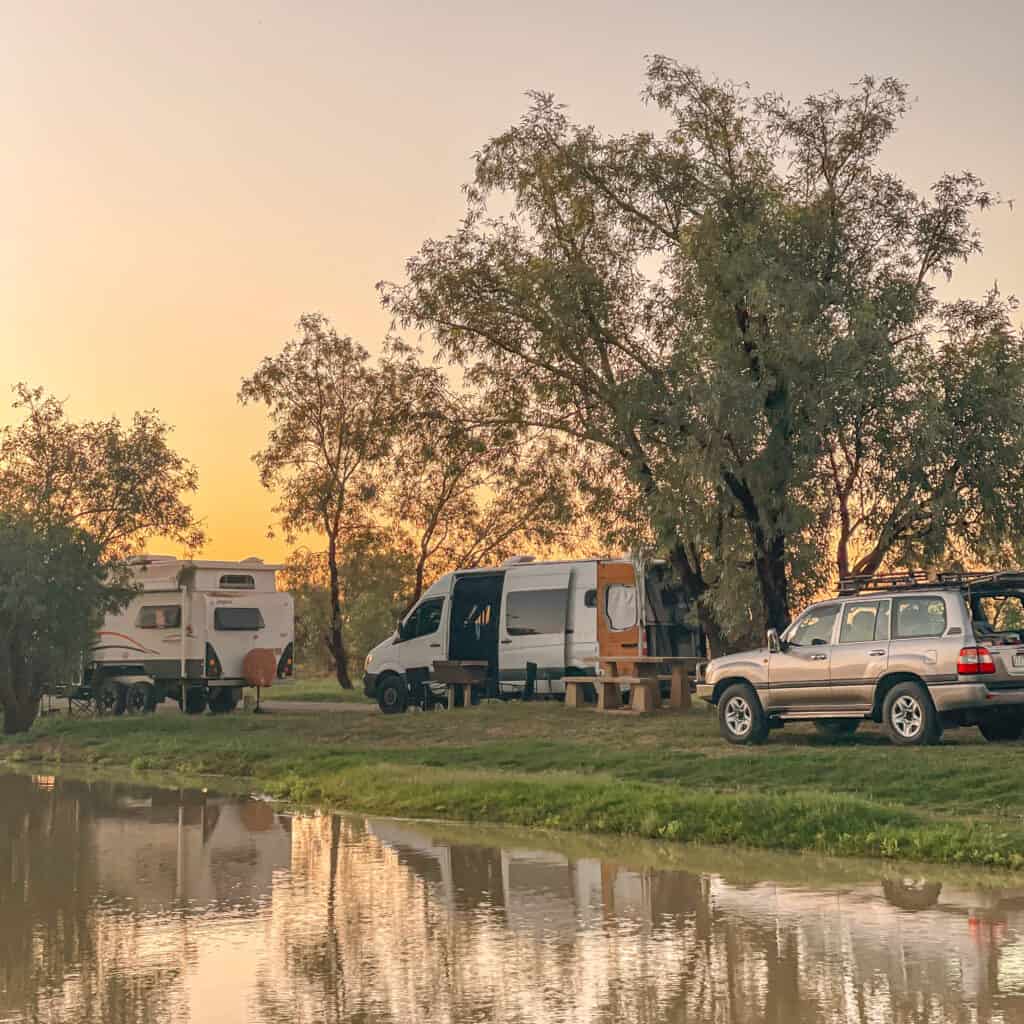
{"x":186,"y":633}
{"x":534,"y":623}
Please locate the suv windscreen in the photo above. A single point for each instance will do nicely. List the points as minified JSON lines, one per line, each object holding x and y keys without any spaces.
{"x":814,"y":628}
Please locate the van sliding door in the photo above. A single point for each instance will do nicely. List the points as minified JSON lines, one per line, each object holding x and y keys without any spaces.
{"x":534,"y":607}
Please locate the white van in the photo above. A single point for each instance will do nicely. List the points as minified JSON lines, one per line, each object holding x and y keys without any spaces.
{"x":529,"y":620}
{"x":186,"y":634}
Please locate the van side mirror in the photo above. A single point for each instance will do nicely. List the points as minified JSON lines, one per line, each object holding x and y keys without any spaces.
{"x":774,"y":643}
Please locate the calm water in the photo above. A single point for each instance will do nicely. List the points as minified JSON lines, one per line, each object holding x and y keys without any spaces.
{"x":120,"y":903}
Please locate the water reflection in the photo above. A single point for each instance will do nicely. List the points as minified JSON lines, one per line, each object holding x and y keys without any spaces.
{"x":124,"y":904}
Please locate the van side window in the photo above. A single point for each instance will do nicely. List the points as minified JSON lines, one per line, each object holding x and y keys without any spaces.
{"x":238,"y":581}
{"x":238,"y":619}
{"x":425,"y":619}
{"x":919,"y":616}
{"x":620,"y":605}
{"x":535,"y":612}
{"x":159,"y":616}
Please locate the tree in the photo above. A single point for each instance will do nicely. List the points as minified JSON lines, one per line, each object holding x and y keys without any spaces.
{"x":375,"y":574}
{"x":334,"y":417}
{"x":696,"y":304}
{"x":120,"y":484}
{"x":54,"y":592}
{"x":467,"y":493}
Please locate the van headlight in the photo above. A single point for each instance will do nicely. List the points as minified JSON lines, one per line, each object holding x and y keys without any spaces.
{"x":366,"y":664}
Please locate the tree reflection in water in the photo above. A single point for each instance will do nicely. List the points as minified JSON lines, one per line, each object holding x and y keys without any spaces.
{"x":137,"y":905}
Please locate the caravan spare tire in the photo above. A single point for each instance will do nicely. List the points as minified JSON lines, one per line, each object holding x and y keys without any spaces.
{"x":259,"y":667}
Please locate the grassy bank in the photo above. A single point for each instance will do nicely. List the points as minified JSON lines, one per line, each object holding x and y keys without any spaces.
{"x":321,"y":689}
{"x":667,"y":777}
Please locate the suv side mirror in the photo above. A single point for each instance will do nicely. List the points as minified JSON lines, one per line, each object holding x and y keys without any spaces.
{"x":774,"y":643}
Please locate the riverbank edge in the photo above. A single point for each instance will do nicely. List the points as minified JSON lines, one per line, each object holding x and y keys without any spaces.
{"x":806,"y":821}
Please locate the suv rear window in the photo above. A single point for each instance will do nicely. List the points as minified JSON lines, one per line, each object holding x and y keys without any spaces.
{"x":239,"y":619}
{"x":918,"y":616}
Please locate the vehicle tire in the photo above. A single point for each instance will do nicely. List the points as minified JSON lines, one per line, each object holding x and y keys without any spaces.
{"x":140,"y":699}
{"x":392,"y":696}
{"x":741,"y":719}
{"x":1002,"y":728}
{"x":110,"y":698}
{"x":223,"y":699}
{"x":836,"y":728}
{"x":909,"y":716}
{"x":195,"y":701}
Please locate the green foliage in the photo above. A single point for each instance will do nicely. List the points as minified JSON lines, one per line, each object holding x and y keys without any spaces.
{"x":711,"y":311}
{"x":54,"y":591}
{"x":121,"y":484}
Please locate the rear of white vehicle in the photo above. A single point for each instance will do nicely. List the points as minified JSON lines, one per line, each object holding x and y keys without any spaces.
{"x":235,"y":626}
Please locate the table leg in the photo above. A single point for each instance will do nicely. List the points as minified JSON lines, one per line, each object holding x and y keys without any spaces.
{"x":609,"y":697}
{"x":680,"y":689}
{"x":643,"y":696}
{"x":573,"y":694}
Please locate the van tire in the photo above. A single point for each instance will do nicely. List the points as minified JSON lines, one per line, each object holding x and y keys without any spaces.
{"x":836,"y":728}
{"x":909,"y":716}
{"x":741,"y":719}
{"x":1002,"y":728}
{"x":392,"y":695}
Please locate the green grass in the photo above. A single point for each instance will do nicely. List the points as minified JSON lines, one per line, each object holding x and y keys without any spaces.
{"x":664,"y":776}
{"x":320,"y":689}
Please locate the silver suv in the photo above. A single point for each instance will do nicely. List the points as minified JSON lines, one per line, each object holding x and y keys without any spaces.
{"x":915,"y":654}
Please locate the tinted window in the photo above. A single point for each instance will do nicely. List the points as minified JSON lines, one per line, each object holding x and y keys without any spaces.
{"x":815,"y":627}
{"x":919,"y":616}
{"x":424,"y":620}
{"x":238,"y":582}
{"x":159,"y":616}
{"x":861,"y":623}
{"x":532,"y":612}
{"x":620,"y":605}
{"x":999,"y":613}
{"x":249,"y":619}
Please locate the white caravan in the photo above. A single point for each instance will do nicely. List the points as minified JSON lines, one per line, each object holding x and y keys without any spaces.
{"x":186,"y":634}
{"x":533,"y":623}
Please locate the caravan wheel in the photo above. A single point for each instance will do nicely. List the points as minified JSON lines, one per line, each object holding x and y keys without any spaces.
{"x":223,"y":699}
{"x":141,"y":699}
{"x":110,"y":698}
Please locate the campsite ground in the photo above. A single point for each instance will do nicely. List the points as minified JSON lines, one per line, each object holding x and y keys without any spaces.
{"x":666,"y":776}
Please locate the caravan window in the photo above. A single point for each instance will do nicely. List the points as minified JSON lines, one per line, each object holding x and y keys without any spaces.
{"x":530,"y":612}
{"x":159,"y":616}
{"x":238,"y":581}
{"x":239,"y":619}
{"x":620,"y":605}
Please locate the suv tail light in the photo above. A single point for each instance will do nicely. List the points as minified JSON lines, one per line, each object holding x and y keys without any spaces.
{"x":975,"y":661}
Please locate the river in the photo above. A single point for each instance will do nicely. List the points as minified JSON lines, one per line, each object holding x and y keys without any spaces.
{"x":123,"y":903}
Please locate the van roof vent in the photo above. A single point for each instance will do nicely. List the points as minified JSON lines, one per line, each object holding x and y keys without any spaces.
{"x":519,"y":560}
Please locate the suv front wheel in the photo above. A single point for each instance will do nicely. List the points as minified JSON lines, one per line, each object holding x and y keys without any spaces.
{"x":741,"y":719}
{"x":909,"y":716}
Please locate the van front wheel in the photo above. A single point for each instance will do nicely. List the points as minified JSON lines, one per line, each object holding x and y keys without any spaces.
{"x":741,"y":719}
{"x":392,"y":696}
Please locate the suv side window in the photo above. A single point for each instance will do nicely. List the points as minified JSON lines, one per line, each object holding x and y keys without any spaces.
{"x":918,"y":616}
{"x":864,"y":621}
{"x":815,"y":627}
{"x":424,"y":620}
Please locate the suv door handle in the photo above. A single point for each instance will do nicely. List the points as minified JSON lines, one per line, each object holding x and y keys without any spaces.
{"x":819,"y":657}
{"x":435,"y":645}
{"x":506,"y":641}
{"x":876,"y":654}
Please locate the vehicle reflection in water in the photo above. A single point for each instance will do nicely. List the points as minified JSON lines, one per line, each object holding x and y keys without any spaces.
{"x":129,"y":904}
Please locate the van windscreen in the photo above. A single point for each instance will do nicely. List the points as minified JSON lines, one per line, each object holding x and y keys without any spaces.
{"x":240,"y":619}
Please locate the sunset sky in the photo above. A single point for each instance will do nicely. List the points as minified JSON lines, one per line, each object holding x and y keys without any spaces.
{"x":180,"y":181}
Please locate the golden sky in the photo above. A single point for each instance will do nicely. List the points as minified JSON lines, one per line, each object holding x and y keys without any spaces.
{"x":178,"y":182}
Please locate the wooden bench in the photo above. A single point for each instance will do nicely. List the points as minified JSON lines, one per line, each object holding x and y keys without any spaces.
{"x":643,"y":695}
{"x":460,"y":675}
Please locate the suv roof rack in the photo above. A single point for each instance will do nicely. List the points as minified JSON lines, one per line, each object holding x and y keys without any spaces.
{"x":916,"y":579}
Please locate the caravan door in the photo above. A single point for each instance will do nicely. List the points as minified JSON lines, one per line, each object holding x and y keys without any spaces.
{"x":534,"y":607}
{"x":618,"y":610}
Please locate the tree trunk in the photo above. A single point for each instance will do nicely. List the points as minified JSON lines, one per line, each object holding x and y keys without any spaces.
{"x":19,"y":714}
{"x":695,"y":590}
{"x":335,"y":640}
{"x":770,"y":563}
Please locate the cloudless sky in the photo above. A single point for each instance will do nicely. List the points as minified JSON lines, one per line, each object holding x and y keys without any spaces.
{"x":178,"y":182}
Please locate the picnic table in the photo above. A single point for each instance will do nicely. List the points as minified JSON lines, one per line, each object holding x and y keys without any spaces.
{"x":643,"y":675}
{"x":462,"y":675}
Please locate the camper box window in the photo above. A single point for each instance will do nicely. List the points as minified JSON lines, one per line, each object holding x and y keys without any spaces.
{"x":238,"y":581}
{"x":532,"y":612}
{"x":159,"y":616}
{"x":620,"y":605}
{"x":238,"y":619}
